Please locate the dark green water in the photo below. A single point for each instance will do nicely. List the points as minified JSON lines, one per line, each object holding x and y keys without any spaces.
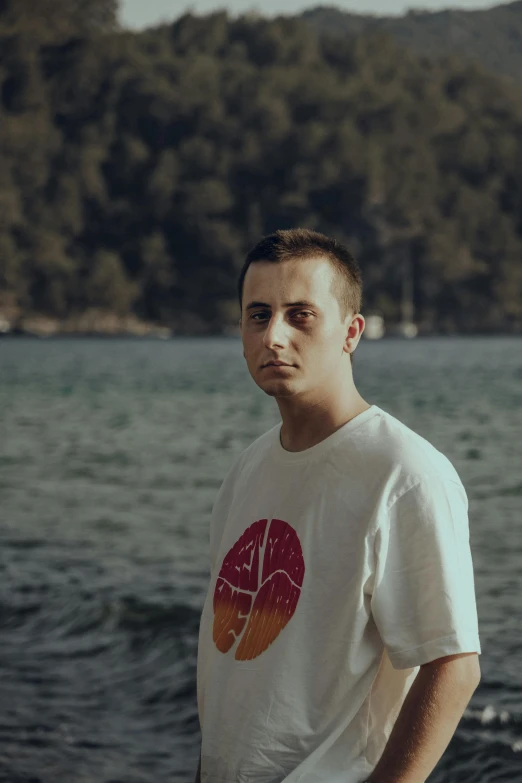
{"x":111,"y":453}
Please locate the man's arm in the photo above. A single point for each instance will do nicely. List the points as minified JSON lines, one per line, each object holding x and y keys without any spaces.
{"x":428,"y":718}
{"x":198,"y":773}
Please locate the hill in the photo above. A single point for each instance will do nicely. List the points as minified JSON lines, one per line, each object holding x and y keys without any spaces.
{"x":493,"y":37}
{"x":138,"y":169}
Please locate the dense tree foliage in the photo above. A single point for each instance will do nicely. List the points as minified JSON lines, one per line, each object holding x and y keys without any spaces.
{"x":492,"y":37}
{"x":136,"y":170}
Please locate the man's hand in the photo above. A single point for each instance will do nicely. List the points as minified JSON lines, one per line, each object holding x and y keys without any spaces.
{"x":428,"y":718}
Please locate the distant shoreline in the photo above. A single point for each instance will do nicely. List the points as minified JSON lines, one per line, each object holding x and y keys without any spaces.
{"x":173,"y":335}
{"x":103,"y":324}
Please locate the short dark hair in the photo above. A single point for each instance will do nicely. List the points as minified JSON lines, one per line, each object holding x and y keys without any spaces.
{"x":306,"y":243}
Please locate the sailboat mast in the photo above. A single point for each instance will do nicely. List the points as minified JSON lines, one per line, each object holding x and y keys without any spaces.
{"x":407,"y":303}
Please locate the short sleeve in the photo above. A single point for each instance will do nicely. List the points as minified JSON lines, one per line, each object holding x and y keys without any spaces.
{"x":423,"y":599}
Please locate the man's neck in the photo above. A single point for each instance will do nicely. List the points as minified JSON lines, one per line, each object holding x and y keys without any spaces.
{"x":306,"y":426}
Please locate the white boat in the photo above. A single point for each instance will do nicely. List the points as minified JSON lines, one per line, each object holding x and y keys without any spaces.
{"x":407,"y":327}
{"x":374,"y":327}
{"x":5,"y":325}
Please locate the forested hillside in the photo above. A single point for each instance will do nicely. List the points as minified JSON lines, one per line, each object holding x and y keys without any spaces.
{"x":492,"y":37}
{"x":137,"y":169}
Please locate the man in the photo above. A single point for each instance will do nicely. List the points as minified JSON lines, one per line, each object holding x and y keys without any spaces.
{"x":339,"y":640}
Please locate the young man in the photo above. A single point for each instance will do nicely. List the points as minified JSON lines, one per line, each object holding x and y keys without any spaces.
{"x":339,"y":640}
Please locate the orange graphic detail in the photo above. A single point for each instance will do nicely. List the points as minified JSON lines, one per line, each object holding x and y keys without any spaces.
{"x":257,"y":588}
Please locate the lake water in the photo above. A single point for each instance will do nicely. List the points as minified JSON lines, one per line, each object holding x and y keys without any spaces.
{"x":111,"y":454}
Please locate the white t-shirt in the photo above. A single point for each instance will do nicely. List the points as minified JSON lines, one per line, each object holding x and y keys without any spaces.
{"x":335,"y":573}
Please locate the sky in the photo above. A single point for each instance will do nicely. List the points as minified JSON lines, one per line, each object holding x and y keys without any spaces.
{"x":138,"y":14}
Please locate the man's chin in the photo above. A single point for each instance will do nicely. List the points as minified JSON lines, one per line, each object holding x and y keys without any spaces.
{"x":278,"y":388}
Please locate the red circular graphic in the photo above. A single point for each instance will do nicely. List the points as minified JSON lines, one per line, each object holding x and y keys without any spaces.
{"x":258,"y":586}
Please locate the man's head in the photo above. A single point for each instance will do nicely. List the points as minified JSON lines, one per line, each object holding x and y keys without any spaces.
{"x":300,"y":294}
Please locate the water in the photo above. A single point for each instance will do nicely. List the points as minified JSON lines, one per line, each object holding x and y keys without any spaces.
{"x":111,"y":453}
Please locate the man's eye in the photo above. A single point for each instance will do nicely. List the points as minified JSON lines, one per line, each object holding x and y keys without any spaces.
{"x":302,"y":315}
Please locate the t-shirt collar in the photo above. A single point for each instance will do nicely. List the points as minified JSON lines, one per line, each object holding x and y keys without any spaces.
{"x":311,"y":454}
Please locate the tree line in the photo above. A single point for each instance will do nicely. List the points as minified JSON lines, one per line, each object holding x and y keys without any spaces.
{"x":137,"y":169}
{"x":490,"y":36}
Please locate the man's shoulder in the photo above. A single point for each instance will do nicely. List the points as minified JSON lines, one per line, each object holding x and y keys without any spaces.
{"x":420,"y":456}
{"x":262,"y":443}
{"x":255,"y":451}
{"x":391,"y":448}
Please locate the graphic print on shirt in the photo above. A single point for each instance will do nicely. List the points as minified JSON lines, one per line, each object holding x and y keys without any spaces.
{"x":258,"y":586}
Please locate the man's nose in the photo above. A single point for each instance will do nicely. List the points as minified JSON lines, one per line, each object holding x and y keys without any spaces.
{"x":275,"y":332}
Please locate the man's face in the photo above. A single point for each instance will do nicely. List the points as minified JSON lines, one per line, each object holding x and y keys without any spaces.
{"x":290,"y":314}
